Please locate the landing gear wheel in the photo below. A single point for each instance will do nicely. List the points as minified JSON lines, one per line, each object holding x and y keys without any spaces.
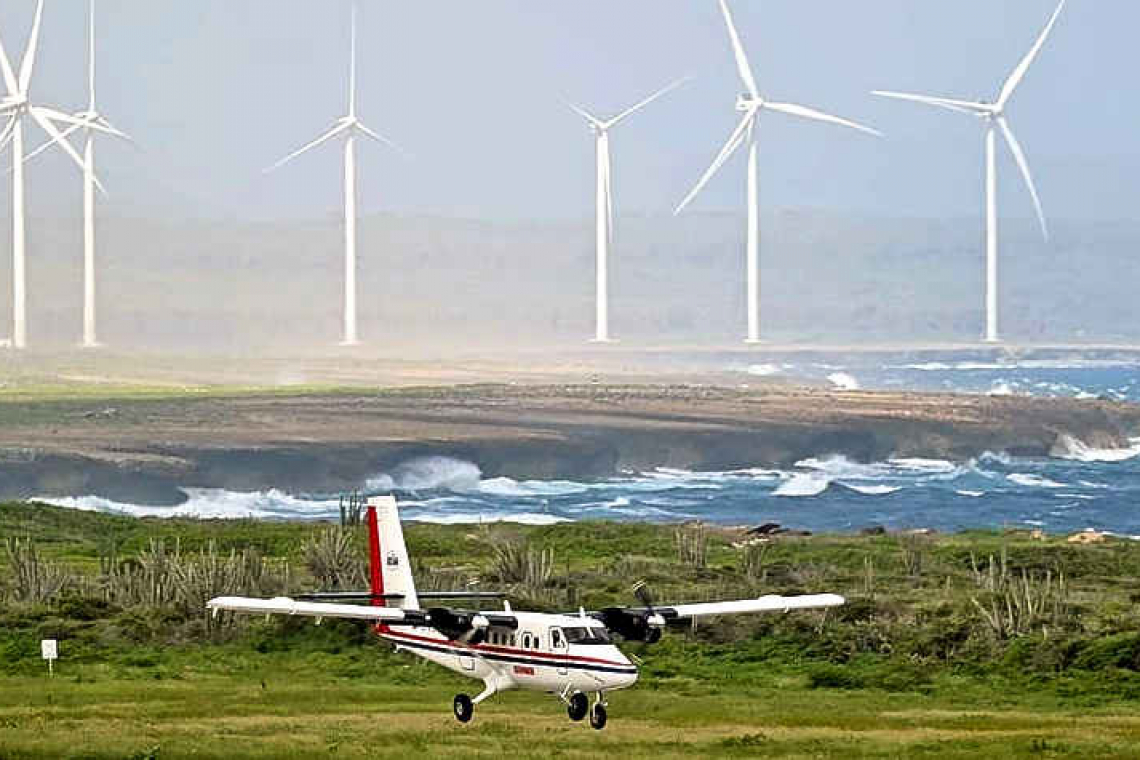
{"x":578,"y":706}
{"x":598,"y":717}
{"x":464,"y":709}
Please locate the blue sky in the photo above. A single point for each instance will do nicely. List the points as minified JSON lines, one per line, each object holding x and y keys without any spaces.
{"x":215,"y":90}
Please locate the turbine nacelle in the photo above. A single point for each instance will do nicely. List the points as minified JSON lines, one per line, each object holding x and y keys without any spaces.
{"x":746,"y":102}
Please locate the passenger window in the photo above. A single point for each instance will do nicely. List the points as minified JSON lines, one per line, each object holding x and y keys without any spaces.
{"x":526,"y":641}
{"x":556,"y":639}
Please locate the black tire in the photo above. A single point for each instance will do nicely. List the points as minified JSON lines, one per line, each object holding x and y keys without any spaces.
{"x":578,"y":706}
{"x":598,"y":718}
{"x":464,"y":709}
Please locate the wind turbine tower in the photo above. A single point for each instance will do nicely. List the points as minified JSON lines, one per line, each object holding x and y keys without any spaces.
{"x":350,"y":127}
{"x":994,"y":118}
{"x":752,"y":104}
{"x":605,"y":204}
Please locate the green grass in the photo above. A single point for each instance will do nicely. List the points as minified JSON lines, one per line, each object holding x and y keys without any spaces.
{"x":909,"y":668}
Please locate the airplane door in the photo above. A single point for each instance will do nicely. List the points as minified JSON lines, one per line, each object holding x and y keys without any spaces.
{"x":558,"y":646}
{"x":466,"y":662}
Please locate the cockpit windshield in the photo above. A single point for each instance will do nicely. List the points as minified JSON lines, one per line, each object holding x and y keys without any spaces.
{"x":587,"y":635}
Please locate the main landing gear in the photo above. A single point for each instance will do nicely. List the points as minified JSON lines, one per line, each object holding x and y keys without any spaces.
{"x":578,"y":707}
{"x":464,"y":706}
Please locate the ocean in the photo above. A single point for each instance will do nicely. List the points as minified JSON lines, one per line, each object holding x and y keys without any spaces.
{"x":1086,"y":488}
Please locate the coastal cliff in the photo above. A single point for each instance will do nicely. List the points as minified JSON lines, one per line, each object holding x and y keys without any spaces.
{"x":144,"y":450}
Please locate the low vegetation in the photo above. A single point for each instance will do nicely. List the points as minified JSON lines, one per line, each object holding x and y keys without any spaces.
{"x":980,"y":644}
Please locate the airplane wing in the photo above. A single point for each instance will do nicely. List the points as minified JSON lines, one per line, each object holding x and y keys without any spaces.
{"x":745,"y":606}
{"x":456,"y":624}
{"x":287,"y":606}
{"x":647,"y":623}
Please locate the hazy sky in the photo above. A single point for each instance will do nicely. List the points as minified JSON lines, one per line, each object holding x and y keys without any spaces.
{"x":216,"y":90}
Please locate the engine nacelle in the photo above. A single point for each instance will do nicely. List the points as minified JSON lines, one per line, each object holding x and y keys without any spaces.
{"x":634,"y":625}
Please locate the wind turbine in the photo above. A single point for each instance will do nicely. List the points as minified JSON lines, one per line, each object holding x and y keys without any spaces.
{"x":993,"y":114}
{"x":605,"y":203}
{"x":350,"y":127}
{"x":16,"y":107}
{"x":91,"y":121}
{"x":752,"y":104}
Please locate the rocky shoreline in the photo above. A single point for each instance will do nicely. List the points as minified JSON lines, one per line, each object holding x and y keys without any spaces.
{"x":144,"y":450}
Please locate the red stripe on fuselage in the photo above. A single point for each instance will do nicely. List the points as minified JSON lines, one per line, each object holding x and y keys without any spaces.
{"x":536,"y":654}
{"x":377,"y":576}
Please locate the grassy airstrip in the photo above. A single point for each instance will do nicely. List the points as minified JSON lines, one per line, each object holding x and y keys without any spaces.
{"x":973,"y":645}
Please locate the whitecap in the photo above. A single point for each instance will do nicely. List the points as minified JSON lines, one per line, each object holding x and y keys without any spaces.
{"x":971,"y":494}
{"x":1033,"y":481}
{"x":1072,"y":448}
{"x":763,"y":370}
{"x":803,"y":484}
{"x":429,"y":474}
{"x":529,"y":488}
{"x":872,"y":490}
{"x":843,"y":381}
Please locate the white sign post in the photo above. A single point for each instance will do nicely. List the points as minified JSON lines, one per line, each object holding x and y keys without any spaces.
{"x":49,"y":648}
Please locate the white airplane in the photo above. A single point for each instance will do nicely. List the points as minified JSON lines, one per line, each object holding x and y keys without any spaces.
{"x":568,"y":655}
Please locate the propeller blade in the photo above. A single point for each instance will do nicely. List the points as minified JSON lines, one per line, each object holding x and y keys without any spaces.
{"x":811,"y":113}
{"x":319,"y":141}
{"x":742,"y":63}
{"x":382,"y":140}
{"x":9,"y":75}
{"x":1019,"y":156}
{"x":587,"y":116}
{"x":29,"y":62}
{"x":726,"y":152}
{"x":655,"y":96}
{"x":57,"y":138}
{"x":960,"y":106}
{"x":1023,"y":67}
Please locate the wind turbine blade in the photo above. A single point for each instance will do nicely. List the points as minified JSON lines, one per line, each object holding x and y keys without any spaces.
{"x":6,"y":135}
{"x":91,"y":55}
{"x":1023,"y":67}
{"x":319,"y":141}
{"x":726,"y":152}
{"x":9,"y":75}
{"x":961,"y":106}
{"x":111,"y":129}
{"x":57,"y":138}
{"x":659,"y":94}
{"x":29,"y":62}
{"x":66,"y":133}
{"x":382,"y":139}
{"x":1019,"y":156}
{"x":587,"y":115}
{"x":810,"y":113}
{"x":352,"y":68}
{"x":742,"y":63}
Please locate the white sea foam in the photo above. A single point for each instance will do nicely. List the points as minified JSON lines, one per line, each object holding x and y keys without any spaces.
{"x":1001,"y":388}
{"x":843,"y":381}
{"x":1033,"y":481}
{"x":872,"y":490}
{"x":1027,"y":364}
{"x":210,"y":503}
{"x":971,"y":494}
{"x":479,"y":518}
{"x":803,"y":484}
{"x":530,"y":488}
{"x":1072,"y":448}
{"x":429,"y":474}
{"x":764,"y":370}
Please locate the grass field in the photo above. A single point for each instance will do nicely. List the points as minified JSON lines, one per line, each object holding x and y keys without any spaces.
{"x":922,"y":662}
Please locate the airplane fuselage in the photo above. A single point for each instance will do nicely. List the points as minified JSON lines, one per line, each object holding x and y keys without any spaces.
{"x":545,"y":653}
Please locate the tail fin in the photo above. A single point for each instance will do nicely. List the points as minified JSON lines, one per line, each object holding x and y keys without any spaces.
{"x":390,"y":570}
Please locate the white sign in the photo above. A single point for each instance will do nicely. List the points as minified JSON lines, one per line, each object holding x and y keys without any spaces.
{"x":50,"y":649}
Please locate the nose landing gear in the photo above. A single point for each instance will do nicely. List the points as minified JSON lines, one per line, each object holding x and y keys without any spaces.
{"x":598,"y":715}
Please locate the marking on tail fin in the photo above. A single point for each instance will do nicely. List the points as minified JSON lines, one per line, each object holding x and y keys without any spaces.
{"x":375,"y":571}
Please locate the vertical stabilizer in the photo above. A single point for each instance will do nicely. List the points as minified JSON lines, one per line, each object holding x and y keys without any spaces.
{"x":390,"y":570}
